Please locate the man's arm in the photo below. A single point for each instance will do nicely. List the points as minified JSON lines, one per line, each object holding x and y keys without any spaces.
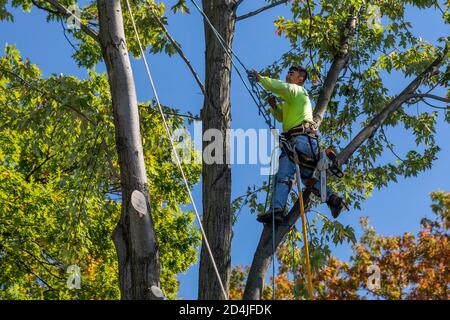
{"x":278,"y":87}
{"x":275,"y":109}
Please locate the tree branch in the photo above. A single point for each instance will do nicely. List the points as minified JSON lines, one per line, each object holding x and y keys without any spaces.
{"x":339,"y":62}
{"x":28,"y":176}
{"x":393,"y":106}
{"x":254,"y":13}
{"x":263,"y":253}
{"x":44,"y":8}
{"x":43,"y":264}
{"x":238,"y":3}
{"x":181,"y":53}
{"x":65,"y":12}
{"x":430,"y":96}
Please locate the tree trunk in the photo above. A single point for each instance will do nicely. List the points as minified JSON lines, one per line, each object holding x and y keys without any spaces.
{"x":263,"y":254}
{"x":134,"y":236}
{"x":217,"y":177}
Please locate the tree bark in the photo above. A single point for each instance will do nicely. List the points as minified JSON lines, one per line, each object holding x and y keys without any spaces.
{"x":217,"y":177}
{"x":263,"y":253}
{"x":134,"y":236}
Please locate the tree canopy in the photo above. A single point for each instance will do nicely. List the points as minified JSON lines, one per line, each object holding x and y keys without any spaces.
{"x":59,"y":186}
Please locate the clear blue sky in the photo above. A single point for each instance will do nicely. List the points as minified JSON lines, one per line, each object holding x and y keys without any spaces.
{"x":392,"y":211}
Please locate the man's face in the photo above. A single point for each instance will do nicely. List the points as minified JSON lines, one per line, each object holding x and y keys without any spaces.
{"x":294,"y":77}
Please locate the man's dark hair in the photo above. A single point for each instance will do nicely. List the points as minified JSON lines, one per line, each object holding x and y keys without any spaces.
{"x":300,"y":70}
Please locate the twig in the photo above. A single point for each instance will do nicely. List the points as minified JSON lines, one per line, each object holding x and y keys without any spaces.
{"x":109,"y":159}
{"x":180,"y":52}
{"x":43,"y":8}
{"x":65,"y":12}
{"x":253,"y":13}
{"x":430,"y":96}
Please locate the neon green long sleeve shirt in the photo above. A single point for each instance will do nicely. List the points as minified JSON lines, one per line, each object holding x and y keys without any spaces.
{"x":297,"y":107}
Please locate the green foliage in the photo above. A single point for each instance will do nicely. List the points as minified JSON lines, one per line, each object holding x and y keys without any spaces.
{"x":59,"y":192}
{"x":180,"y":6}
{"x":4,"y":14}
{"x":88,"y":52}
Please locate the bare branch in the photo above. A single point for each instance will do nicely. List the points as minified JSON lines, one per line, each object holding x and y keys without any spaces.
{"x":238,"y":3}
{"x":435,"y":107}
{"x":254,"y":13}
{"x":390,"y":146}
{"x":65,"y":12}
{"x":181,"y":53}
{"x":430,"y":96}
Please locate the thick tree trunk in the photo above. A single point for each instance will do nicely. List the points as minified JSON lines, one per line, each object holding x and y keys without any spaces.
{"x":134,"y":236}
{"x":263,"y":254}
{"x":217,"y":177}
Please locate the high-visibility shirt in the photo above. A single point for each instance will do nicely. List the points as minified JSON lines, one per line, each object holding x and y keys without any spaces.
{"x":297,"y":106}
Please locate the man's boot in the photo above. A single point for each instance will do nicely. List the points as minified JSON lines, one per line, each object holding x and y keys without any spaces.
{"x":267,"y":216}
{"x":336,"y":204}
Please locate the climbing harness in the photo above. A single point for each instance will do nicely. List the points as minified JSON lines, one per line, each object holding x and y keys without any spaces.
{"x":325,"y":162}
{"x":305,"y":160}
{"x":205,"y":239}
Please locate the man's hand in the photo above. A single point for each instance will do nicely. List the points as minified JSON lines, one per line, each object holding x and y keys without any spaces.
{"x":272,"y":101}
{"x":255,"y":74}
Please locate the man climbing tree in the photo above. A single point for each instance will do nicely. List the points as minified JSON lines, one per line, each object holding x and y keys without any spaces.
{"x":300,"y":136}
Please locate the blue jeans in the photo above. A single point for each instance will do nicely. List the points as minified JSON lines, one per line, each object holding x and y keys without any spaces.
{"x":286,"y":171}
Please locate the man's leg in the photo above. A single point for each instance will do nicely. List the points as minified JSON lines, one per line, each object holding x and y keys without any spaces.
{"x":334,"y":202}
{"x":283,"y":184}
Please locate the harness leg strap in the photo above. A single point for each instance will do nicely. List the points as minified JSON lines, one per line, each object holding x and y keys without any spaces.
{"x":309,"y":183}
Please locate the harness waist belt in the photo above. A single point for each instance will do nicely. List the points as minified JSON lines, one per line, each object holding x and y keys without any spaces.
{"x":301,"y":129}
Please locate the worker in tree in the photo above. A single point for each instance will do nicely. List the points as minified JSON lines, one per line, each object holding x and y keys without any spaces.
{"x":300,"y":134}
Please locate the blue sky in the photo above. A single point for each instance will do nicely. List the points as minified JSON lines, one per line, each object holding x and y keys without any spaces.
{"x":392,"y":210}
